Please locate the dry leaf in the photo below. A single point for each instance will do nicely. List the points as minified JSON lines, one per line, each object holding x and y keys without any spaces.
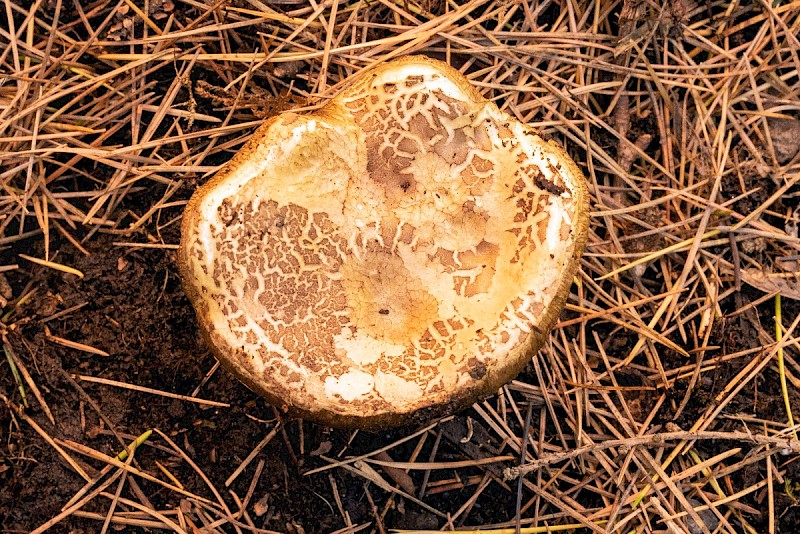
{"x":324,"y":448}
{"x":261,"y":506}
{"x":398,"y":475}
{"x":771,"y":283}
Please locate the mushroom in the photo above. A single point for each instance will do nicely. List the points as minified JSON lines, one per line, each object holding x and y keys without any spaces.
{"x":394,"y":256}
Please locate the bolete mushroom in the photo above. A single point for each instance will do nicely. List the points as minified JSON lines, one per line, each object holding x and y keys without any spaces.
{"x":395,"y":255}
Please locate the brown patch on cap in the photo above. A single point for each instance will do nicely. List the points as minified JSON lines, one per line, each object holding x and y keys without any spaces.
{"x":385,"y":300}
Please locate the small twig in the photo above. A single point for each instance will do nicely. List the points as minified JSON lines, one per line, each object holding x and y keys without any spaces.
{"x":783,"y":446}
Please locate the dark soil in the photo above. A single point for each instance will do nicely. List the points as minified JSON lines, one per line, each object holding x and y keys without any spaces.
{"x":135,"y":310}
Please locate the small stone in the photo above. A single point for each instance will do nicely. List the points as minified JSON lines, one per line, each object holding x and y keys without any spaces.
{"x":414,"y":520}
{"x":785,"y":135}
{"x":709,"y":518}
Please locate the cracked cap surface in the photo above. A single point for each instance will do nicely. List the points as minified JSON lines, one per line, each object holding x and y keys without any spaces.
{"x":403,"y":250}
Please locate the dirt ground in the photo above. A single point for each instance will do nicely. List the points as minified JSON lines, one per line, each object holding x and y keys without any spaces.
{"x":82,"y":347}
{"x":133,"y":308}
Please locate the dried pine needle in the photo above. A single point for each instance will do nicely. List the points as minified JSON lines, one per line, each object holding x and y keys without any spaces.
{"x":113,"y":114}
{"x":52,"y":265}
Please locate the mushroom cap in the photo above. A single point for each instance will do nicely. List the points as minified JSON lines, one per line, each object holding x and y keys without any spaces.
{"x":394,"y":256}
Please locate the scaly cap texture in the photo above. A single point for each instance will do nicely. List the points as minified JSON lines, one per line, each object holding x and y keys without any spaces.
{"x":395,"y":255}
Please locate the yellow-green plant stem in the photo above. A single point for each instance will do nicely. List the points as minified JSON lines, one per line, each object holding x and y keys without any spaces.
{"x":15,"y":372}
{"x":781,"y":365}
{"x":720,"y":492}
{"x":22,"y":300}
{"x":122,"y":456}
